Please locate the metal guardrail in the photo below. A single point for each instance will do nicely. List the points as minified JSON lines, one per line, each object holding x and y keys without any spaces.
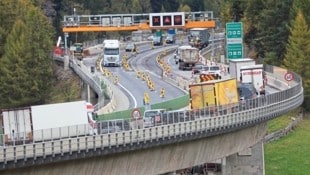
{"x":204,"y":122}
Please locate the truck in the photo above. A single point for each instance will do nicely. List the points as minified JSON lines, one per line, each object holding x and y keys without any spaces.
{"x":255,"y":75}
{"x":78,"y":50}
{"x":47,"y":122}
{"x":236,"y":64}
{"x":171,"y":36}
{"x":213,"y":93}
{"x":186,"y":56}
{"x":199,"y":37}
{"x":111,"y":53}
{"x":158,"y":40}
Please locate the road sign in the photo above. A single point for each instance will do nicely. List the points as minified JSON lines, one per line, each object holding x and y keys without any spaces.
{"x":136,"y":114}
{"x":288,"y":76}
{"x":234,"y":51}
{"x":233,"y":32}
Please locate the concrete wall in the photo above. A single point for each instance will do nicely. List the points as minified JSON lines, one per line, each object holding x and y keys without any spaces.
{"x":156,"y":160}
{"x":249,"y":161}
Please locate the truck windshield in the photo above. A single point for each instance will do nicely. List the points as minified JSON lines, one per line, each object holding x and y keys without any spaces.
{"x":111,"y":51}
{"x":194,"y":33}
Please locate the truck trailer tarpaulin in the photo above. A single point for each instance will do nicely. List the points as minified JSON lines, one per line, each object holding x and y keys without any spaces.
{"x":213,"y":93}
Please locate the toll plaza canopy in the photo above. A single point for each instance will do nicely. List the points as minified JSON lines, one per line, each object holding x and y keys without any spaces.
{"x":131,"y":22}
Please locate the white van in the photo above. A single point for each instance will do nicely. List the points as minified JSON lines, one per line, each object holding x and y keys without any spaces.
{"x":153,"y":117}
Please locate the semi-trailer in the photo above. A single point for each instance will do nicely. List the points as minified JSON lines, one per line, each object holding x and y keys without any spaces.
{"x":47,"y":122}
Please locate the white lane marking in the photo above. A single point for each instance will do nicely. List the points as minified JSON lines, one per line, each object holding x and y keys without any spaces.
{"x":131,"y":95}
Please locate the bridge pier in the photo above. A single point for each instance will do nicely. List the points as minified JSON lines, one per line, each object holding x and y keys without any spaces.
{"x":249,"y":161}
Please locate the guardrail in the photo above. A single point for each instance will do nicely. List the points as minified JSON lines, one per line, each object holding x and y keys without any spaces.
{"x":203,"y":123}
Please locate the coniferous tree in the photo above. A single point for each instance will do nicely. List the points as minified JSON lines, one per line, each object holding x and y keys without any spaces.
{"x":297,"y":53}
{"x":272,"y":29}
{"x":13,"y":73}
{"x":39,"y":63}
{"x":25,"y":74}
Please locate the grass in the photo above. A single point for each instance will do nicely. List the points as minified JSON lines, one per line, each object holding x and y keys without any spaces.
{"x":281,"y":122}
{"x":290,"y":155}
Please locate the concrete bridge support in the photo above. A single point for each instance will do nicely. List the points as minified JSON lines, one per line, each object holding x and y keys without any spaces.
{"x":249,"y":161}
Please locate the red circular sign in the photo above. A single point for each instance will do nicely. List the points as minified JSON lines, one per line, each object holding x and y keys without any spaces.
{"x":136,"y":114}
{"x":288,"y":76}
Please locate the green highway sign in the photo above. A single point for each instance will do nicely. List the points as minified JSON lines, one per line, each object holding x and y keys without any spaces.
{"x":234,"y":51}
{"x":234,"y":31}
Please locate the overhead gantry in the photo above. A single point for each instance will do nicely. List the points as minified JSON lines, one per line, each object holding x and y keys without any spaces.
{"x":132,"y":22}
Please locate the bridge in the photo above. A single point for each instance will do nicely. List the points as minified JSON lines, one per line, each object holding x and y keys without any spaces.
{"x":163,"y":148}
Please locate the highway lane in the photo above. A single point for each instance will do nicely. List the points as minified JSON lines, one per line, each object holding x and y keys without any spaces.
{"x":133,"y":87}
{"x":146,"y":63}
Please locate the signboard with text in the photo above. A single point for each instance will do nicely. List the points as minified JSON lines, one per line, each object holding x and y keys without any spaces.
{"x":234,"y":32}
{"x":234,"y":51}
{"x":234,"y":35}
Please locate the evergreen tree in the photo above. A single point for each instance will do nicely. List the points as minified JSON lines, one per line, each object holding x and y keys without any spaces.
{"x":250,"y":21}
{"x":297,"y":53}
{"x":38,"y":62}
{"x":13,"y":73}
{"x":156,"y":5}
{"x":272,"y":29}
{"x":25,"y":74}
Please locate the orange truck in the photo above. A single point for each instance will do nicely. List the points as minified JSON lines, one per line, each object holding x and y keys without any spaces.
{"x":213,"y":93}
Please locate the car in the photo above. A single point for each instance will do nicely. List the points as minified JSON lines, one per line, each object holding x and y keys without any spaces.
{"x":170,"y":39}
{"x":197,"y":69}
{"x":131,"y":47}
{"x":213,"y":70}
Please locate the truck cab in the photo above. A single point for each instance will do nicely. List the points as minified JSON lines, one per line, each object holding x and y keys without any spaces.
{"x":111,"y":53}
{"x":157,"y":40}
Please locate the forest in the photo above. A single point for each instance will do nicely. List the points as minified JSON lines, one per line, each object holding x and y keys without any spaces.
{"x":275,"y":32}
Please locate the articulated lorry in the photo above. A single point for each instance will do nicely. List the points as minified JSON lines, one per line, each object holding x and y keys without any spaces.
{"x":47,"y":122}
{"x":254,"y":74}
{"x":236,"y":64}
{"x":213,"y":93}
{"x":186,"y":57}
{"x":199,"y":37}
{"x":111,"y":53}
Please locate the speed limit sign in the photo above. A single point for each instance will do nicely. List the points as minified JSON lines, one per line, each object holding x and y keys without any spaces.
{"x":136,"y":114}
{"x":289,"y":76}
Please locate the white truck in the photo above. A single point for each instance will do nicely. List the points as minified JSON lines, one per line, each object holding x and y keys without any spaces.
{"x":254,"y":74}
{"x":47,"y":122}
{"x":236,"y":64}
{"x":111,"y":53}
{"x":186,"y":56}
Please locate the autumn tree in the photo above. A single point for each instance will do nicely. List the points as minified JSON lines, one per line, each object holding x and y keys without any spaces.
{"x":297,"y":53}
